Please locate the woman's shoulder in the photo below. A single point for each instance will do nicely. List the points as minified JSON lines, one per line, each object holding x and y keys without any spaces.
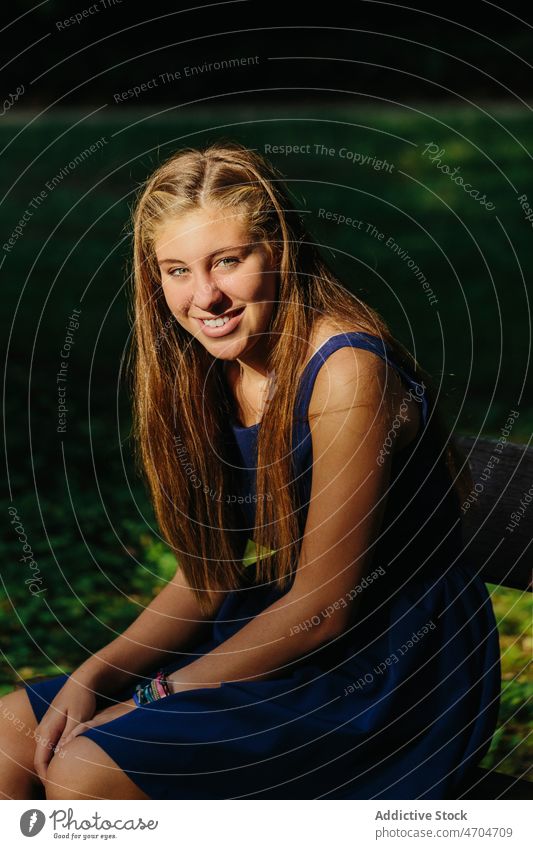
{"x":339,"y":364}
{"x":349,"y":370}
{"x":326,"y":328}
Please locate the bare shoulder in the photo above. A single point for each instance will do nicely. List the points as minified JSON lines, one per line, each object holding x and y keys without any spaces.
{"x":345,"y":370}
{"x":325,"y":328}
{"x":350,"y":373}
{"x":358,"y":379}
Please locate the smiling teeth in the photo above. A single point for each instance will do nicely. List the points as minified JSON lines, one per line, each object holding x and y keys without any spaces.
{"x":216,"y":322}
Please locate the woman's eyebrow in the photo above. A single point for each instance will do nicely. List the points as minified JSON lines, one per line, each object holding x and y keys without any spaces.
{"x":208,"y":256}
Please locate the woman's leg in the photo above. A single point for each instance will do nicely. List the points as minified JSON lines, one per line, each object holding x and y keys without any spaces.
{"x":18,"y":779}
{"x":87,"y":772}
{"x":83,"y":772}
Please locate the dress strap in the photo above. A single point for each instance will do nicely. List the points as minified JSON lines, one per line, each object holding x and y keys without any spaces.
{"x":356,"y":339}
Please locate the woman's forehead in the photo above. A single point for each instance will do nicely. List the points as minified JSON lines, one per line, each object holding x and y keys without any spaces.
{"x":197,"y":235}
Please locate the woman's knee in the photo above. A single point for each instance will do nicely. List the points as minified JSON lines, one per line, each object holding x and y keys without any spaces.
{"x":83,"y":771}
{"x":66,"y":776}
{"x":17,"y":733}
{"x":17,"y":719}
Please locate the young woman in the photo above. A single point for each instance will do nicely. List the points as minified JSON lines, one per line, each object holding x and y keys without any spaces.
{"x":357,"y":656}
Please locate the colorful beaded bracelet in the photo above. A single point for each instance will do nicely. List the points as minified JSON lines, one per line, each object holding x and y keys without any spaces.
{"x":156,"y":689}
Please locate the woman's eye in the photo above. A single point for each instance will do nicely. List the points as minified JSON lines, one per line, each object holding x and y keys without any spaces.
{"x":229,"y":259}
{"x":174,"y":272}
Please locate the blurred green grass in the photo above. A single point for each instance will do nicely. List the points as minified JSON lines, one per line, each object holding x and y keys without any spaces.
{"x":83,"y":508}
{"x":511,"y":749}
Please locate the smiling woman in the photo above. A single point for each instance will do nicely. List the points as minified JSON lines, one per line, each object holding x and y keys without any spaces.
{"x":212,"y":293}
{"x":357,"y":655}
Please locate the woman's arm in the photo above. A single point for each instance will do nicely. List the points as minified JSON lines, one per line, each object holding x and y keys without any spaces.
{"x":354,"y":397}
{"x":172,"y":622}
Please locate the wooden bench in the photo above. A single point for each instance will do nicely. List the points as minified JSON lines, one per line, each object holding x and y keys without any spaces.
{"x":502,"y":474}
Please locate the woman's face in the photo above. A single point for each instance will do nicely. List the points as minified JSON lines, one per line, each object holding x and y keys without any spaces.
{"x":209,"y":269}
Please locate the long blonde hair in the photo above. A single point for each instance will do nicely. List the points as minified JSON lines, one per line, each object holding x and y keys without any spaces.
{"x":182,"y":407}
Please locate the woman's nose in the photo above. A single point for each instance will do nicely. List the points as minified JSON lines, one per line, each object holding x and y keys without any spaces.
{"x":206,"y":293}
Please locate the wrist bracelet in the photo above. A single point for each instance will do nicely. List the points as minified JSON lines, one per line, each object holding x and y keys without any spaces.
{"x":155,"y":689}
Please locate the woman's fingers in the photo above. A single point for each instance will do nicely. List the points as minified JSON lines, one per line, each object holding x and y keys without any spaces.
{"x":41,"y":759}
{"x":61,"y":735}
{"x":74,"y":733}
{"x":71,"y":723}
{"x":45,"y":742}
{"x":81,"y":727}
{"x":105,"y":715}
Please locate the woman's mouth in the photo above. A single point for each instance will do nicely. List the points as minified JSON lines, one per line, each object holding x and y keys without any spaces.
{"x":221,"y":326}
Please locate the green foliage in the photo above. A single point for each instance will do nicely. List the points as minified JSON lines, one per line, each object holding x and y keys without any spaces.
{"x":511,"y":747}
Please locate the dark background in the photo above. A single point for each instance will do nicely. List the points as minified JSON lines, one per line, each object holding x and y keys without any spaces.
{"x":426,"y":51}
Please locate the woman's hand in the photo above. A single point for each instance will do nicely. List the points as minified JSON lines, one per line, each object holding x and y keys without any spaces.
{"x":114,"y":711}
{"x":176,"y":685}
{"x":106,"y":715}
{"x":75,"y":703}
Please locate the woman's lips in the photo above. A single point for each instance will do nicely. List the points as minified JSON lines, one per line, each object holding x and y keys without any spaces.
{"x":229,"y":327}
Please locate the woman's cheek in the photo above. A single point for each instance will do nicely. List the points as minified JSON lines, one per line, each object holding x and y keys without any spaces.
{"x":175,"y":301}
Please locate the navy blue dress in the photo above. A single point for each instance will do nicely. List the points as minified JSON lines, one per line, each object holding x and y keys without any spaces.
{"x":399,"y":707}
